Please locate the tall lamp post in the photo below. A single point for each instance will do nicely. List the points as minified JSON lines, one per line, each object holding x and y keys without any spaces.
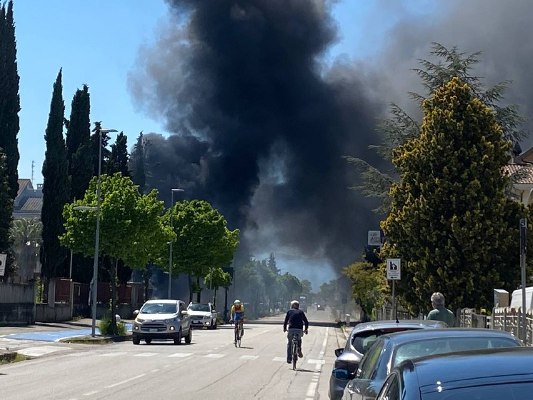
{"x":170,"y":251}
{"x":97,"y":234}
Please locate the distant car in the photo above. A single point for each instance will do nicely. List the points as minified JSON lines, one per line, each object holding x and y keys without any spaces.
{"x":390,"y":350}
{"x":491,"y":374}
{"x":319,"y":307}
{"x":360,"y":339}
{"x":202,"y":315}
{"x":161,"y":319}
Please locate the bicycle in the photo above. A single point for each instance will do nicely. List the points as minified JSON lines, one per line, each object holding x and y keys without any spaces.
{"x":295,"y":348}
{"x":238,"y":332}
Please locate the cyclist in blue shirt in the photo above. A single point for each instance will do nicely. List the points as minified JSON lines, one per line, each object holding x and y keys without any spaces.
{"x":295,"y":320}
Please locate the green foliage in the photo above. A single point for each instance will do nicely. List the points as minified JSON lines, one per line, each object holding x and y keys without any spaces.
{"x":137,"y":163}
{"x":9,"y":98}
{"x":79,"y":156}
{"x":401,"y":128}
{"x":56,"y":188}
{"x":107,"y":329}
{"x":450,"y":219}
{"x":203,"y":240}
{"x":26,"y":239}
{"x":131,"y":225}
{"x":6,"y":217}
{"x":369,"y":285}
{"x":118,"y":159}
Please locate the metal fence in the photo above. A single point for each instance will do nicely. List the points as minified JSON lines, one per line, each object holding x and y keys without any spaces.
{"x":502,"y":318}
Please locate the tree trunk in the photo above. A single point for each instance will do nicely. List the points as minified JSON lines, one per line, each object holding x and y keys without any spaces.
{"x":199,"y":292}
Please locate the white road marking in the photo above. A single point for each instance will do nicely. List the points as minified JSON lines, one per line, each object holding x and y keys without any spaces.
{"x":146,"y":354}
{"x":311,"y":390}
{"x":41,"y":350}
{"x":180,"y":355}
{"x":125,"y":381}
{"x":214,"y":355}
{"x":118,"y":353}
{"x":279,"y":359}
{"x":249,"y":357}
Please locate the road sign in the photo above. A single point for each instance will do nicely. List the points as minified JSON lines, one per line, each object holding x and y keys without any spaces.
{"x":375,"y":238}
{"x":394,"y":271}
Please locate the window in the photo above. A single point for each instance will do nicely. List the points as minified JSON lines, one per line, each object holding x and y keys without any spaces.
{"x":391,"y":388}
{"x":370,"y":361}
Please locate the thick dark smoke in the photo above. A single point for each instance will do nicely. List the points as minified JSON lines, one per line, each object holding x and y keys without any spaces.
{"x":242,"y":86}
{"x":259,"y":120}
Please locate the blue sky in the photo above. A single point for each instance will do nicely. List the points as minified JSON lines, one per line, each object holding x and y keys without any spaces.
{"x":96,"y":43}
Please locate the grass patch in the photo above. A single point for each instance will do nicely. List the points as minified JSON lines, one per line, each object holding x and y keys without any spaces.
{"x":9,"y":358}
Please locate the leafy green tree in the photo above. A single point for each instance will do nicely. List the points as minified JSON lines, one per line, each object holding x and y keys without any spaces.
{"x":131,"y":225}
{"x":79,"y":156}
{"x":216,"y":278}
{"x":9,"y":97}
{"x":203,"y":240}
{"x":401,"y":127}
{"x":369,"y":286}
{"x":6,"y":217}
{"x":56,"y":188}
{"x":137,"y":163}
{"x":448,"y":211}
{"x":26,"y":238}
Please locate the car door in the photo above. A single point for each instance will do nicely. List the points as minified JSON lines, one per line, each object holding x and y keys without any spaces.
{"x":360,"y":387}
{"x":185,"y":318}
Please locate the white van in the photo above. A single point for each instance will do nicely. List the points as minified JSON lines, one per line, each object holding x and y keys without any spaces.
{"x":516,"y":298}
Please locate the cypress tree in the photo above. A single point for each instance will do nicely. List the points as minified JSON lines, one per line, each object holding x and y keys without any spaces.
{"x":119,"y":159}
{"x":56,"y":188}
{"x":137,"y":164}
{"x":9,"y":97}
{"x":450,"y":220}
{"x":6,"y":218}
{"x":79,"y":155}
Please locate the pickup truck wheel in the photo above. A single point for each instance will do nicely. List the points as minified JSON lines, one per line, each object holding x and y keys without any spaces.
{"x":214,"y":324}
{"x":148,"y":341}
{"x":177,"y":339}
{"x":188,"y":338}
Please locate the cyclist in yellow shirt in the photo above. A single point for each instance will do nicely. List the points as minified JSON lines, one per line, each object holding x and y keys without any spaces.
{"x":237,"y":314}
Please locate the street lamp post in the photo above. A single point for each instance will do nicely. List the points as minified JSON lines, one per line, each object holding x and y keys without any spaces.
{"x":97,"y":234}
{"x":170,"y":251}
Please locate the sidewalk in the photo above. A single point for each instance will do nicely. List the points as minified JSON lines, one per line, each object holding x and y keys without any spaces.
{"x":48,"y":326}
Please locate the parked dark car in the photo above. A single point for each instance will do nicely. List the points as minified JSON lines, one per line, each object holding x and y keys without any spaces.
{"x":390,"y":350}
{"x":492,"y":374}
{"x":360,"y":339}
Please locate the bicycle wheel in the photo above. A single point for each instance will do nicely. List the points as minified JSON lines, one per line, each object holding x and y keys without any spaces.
{"x":294,"y":352}
{"x":237,"y":338}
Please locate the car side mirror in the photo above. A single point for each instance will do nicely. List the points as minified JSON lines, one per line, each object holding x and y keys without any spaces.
{"x":338,"y":352}
{"x":184,"y":312}
{"x":341,"y":373}
{"x":135,"y":313}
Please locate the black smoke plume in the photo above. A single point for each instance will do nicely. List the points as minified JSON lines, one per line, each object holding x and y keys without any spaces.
{"x":260,"y":123}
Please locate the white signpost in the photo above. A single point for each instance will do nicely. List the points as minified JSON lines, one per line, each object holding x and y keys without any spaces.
{"x":375,"y":238}
{"x":3,"y":258}
{"x":394,"y":273}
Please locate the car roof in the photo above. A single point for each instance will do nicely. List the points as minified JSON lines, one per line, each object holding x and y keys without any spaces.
{"x":165,"y":301}
{"x":475,"y":367}
{"x":408,"y":323}
{"x":420,"y":334}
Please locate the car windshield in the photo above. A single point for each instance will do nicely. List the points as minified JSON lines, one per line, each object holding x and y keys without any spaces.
{"x":199,"y":307}
{"x":447,"y":345}
{"x":158,"y":308}
{"x":362,"y":341}
{"x":508,"y":391}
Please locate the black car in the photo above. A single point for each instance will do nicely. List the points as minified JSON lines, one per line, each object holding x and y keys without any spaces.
{"x":360,"y":339}
{"x":491,"y":374}
{"x":390,"y":350}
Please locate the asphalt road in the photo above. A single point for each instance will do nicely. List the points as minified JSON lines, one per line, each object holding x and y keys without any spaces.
{"x":210,"y":367}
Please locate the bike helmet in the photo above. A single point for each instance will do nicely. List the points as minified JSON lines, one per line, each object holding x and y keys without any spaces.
{"x":237,"y":302}
{"x":295,"y":303}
